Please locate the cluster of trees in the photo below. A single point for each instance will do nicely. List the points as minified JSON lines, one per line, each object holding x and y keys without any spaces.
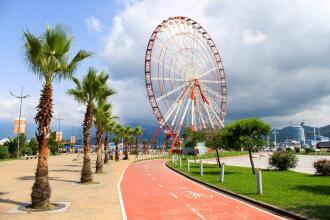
{"x":48,"y":56}
{"x":248,"y":134}
{"x":30,"y":147}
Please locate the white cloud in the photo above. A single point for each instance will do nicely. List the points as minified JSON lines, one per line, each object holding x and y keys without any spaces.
{"x":253,"y":37}
{"x":94,"y":24}
{"x":281,"y":80}
{"x":9,"y":108}
{"x":129,"y":103}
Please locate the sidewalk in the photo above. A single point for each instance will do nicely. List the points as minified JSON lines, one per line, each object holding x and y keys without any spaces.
{"x":87,"y":201}
{"x":305,"y":162}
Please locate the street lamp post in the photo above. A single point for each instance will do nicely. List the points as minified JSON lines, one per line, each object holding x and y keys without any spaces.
{"x":275,"y":133}
{"x":21,"y":97}
{"x":59,"y":119}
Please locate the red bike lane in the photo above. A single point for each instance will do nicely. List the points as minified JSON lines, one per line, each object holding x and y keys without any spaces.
{"x":150,"y":190}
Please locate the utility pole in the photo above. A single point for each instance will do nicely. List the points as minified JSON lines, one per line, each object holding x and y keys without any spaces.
{"x":59,"y":119}
{"x":21,"y":97}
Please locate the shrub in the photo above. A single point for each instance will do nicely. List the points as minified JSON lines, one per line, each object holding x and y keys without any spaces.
{"x":33,"y":144}
{"x":283,"y":160}
{"x":297,"y":149}
{"x":25,"y":150}
{"x":322,"y":167}
{"x":288,"y":149}
{"x":4,"y":153}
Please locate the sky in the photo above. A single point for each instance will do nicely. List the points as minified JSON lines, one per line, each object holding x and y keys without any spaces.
{"x":276,"y":54}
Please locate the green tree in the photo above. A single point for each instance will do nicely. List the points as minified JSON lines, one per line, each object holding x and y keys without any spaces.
{"x":213,"y":140}
{"x":53,"y":144}
{"x":145,"y":142}
{"x":33,"y":144}
{"x":47,"y":56}
{"x":118,"y":133}
{"x":247,"y":133}
{"x":102,"y":113}
{"x":138,"y":132}
{"x":11,"y":144}
{"x":87,"y":92}
{"x":127,"y":133}
{"x":109,"y":127}
{"x":4,"y":153}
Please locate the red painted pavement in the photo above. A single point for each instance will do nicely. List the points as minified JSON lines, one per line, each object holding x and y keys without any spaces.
{"x":150,"y":190}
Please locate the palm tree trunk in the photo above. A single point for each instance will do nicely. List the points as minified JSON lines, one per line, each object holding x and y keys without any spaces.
{"x":86,"y":172}
{"x":117,"y":152}
{"x":126,"y":149}
{"x":99,"y":164}
{"x":251,"y":160}
{"x":136,"y":145}
{"x":106,"y":148}
{"x":41,"y":190}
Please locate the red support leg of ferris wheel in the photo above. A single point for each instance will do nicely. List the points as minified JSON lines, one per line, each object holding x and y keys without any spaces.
{"x":152,"y":139}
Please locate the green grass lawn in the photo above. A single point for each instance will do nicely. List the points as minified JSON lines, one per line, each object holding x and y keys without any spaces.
{"x":1,"y":160}
{"x":305,"y":194}
{"x":321,"y":153}
{"x":221,"y":154}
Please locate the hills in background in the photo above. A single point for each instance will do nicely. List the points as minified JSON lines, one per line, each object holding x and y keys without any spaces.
{"x":286,"y":132}
{"x":6,"y":130}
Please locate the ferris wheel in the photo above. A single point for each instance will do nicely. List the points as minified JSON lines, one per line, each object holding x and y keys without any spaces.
{"x":185,"y":78}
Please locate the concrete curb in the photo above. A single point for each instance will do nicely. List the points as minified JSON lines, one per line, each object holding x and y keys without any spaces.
{"x":261,"y":205}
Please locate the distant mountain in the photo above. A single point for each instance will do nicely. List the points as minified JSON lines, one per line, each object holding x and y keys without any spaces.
{"x":6,"y":130}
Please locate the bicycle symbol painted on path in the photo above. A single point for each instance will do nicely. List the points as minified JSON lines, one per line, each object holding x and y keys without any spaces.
{"x":196,"y":195}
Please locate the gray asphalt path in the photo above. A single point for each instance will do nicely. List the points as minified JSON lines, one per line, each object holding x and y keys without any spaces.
{"x":305,"y":162}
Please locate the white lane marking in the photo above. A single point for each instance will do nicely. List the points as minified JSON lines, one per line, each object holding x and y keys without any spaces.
{"x":197,"y":213}
{"x":175,"y":196}
{"x":153,"y":179}
{"x":264,"y":211}
{"x":123,"y":212}
{"x":182,"y":187}
{"x":160,"y":185}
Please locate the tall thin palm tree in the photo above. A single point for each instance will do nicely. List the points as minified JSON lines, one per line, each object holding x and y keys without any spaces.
{"x":127,"y":132}
{"x":118,"y":133}
{"x":138,"y":131}
{"x":102,"y":113}
{"x":109,"y":127}
{"x":87,"y":92}
{"x":47,"y":56}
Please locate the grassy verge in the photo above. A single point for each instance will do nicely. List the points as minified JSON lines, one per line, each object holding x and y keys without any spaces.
{"x":2,"y":160}
{"x":321,"y":153}
{"x":222,"y":154}
{"x":305,"y":194}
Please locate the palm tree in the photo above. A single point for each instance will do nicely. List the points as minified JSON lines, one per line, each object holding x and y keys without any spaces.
{"x":109,"y":127}
{"x":102,"y":113}
{"x":138,"y":131}
{"x":87,"y":92}
{"x":127,"y":132}
{"x":47,"y":56}
{"x":118,"y":132}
